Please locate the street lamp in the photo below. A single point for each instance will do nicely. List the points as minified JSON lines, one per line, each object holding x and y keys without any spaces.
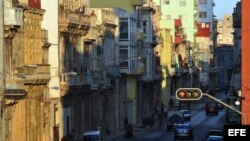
{"x":239,"y":98}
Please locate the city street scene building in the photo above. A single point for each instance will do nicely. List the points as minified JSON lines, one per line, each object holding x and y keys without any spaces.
{"x":73,"y":70}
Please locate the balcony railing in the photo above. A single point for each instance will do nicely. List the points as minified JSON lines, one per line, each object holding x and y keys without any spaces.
{"x":108,"y":17}
{"x":70,"y":19}
{"x":91,"y":35}
{"x":36,"y":73}
{"x":91,"y":79}
{"x":79,"y":79}
{"x":148,"y":5}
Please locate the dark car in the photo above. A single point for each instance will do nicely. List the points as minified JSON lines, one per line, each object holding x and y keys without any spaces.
{"x":215,"y":132}
{"x":215,"y":138}
{"x":186,"y":115}
{"x":183,"y":131}
{"x":212,"y":107}
{"x":173,"y":121}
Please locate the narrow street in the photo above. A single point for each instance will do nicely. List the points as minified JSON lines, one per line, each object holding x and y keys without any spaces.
{"x":199,"y":121}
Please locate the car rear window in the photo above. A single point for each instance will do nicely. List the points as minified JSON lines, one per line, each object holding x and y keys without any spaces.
{"x":215,"y":133}
{"x":182,"y":127}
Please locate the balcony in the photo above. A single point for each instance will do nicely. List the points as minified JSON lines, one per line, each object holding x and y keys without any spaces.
{"x":93,"y":79}
{"x":34,"y":73}
{"x":79,"y":79}
{"x":109,"y":18}
{"x":148,"y":5}
{"x":91,"y":36}
{"x":113,"y":71}
{"x":74,"y":22}
{"x":13,"y":16}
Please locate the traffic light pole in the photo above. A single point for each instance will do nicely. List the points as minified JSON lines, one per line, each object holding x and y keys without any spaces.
{"x":228,"y":106}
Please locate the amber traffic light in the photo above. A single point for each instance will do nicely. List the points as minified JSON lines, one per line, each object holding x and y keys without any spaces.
{"x":188,"y":94}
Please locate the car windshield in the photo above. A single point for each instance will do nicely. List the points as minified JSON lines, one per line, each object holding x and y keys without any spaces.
{"x":90,"y":138}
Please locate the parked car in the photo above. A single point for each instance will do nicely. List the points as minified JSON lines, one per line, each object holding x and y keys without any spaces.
{"x":212,"y":107}
{"x":173,"y":121}
{"x":92,"y":136}
{"x":215,"y":138}
{"x":183,"y":131}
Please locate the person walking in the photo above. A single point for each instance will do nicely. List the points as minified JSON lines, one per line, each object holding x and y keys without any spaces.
{"x":129,"y":133}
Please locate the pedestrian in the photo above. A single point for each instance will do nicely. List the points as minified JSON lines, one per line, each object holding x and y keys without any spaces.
{"x":99,"y":126}
{"x":129,"y":133}
{"x":165,"y":111}
{"x":125,"y":122}
{"x":107,"y":130}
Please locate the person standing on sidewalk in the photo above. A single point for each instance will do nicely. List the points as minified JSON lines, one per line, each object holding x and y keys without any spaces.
{"x":125,"y":123}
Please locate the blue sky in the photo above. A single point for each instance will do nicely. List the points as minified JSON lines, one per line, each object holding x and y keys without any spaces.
{"x":224,"y":7}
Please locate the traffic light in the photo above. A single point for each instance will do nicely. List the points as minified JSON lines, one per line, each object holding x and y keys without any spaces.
{"x":188,"y":94}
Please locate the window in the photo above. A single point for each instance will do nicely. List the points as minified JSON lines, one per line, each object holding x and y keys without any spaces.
{"x":202,"y":1}
{"x":124,"y":30}
{"x":202,"y":14}
{"x":144,"y":24}
{"x":183,"y":17}
{"x":183,"y":3}
{"x":168,"y":17}
{"x":123,"y":56}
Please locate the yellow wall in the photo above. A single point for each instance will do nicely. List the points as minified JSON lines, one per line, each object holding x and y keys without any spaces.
{"x":166,"y":64}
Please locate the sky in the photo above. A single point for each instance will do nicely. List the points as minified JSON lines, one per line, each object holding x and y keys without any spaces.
{"x":224,"y":7}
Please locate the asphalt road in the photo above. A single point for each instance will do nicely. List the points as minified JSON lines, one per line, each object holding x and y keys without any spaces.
{"x":199,"y":121}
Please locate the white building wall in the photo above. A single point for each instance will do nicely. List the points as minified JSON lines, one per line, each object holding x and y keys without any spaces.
{"x":50,"y":23}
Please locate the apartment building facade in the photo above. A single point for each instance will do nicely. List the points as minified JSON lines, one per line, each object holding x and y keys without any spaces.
{"x":27,"y":72}
{"x":225,"y":30}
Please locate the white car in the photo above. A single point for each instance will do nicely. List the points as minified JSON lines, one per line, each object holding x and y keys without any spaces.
{"x":92,"y":136}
